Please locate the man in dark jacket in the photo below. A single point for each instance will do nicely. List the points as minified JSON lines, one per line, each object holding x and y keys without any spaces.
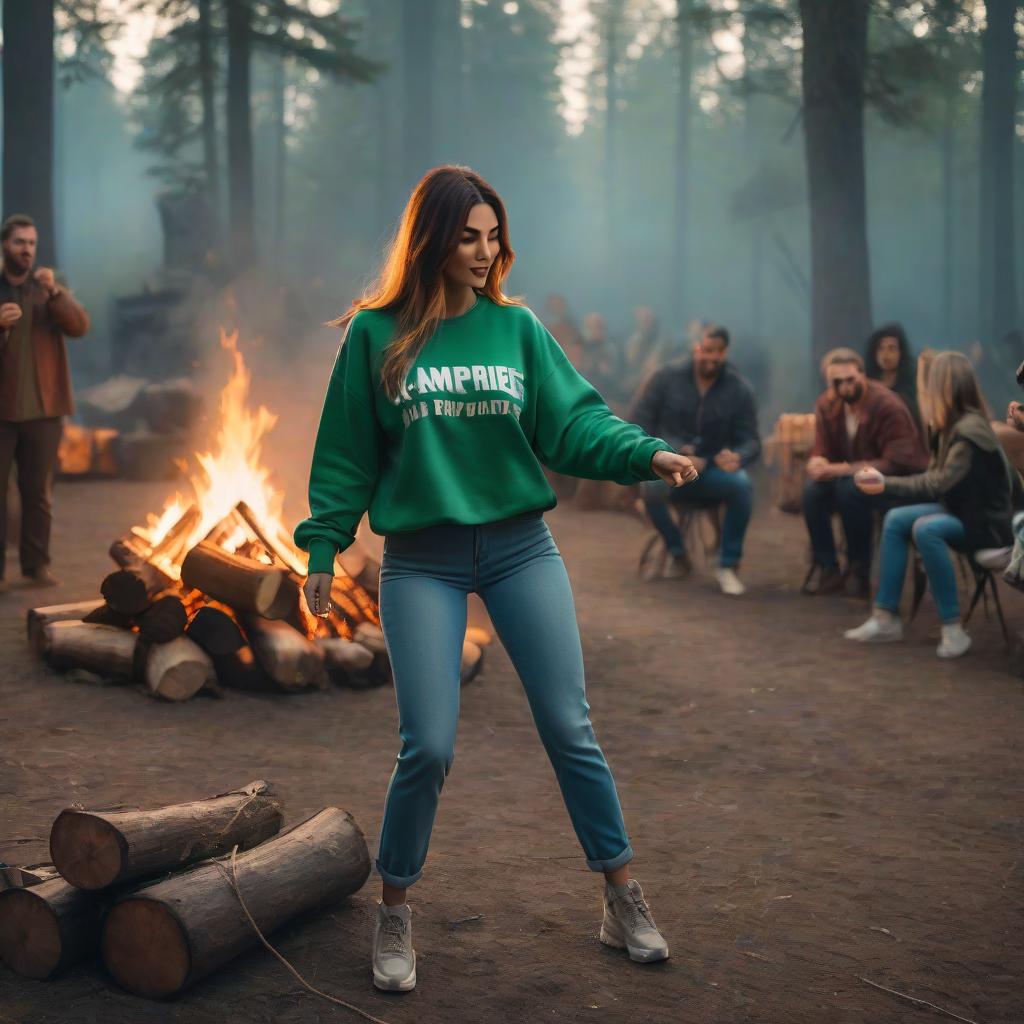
{"x":706,"y":409}
{"x":35,"y":389}
{"x":858,"y":423}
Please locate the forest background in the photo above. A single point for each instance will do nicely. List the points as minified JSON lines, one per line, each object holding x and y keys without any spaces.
{"x":799,"y":171}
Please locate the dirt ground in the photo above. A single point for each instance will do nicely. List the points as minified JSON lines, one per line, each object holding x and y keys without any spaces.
{"x":806,"y":813}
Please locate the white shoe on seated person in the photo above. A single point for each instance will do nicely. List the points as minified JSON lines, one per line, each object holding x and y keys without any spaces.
{"x":955,"y":641}
{"x":730,"y":582}
{"x":993,"y":559}
{"x":877,"y":630}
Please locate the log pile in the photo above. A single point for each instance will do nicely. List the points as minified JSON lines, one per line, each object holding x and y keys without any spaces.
{"x":789,"y":448}
{"x":131,"y":427}
{"x":88,"y":452}
{"x":151,"y":890}
{"x":179,"y":617}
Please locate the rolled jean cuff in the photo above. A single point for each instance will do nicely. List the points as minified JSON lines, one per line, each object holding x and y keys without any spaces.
{"x":616,"y":862}
{"x":397,"y":881}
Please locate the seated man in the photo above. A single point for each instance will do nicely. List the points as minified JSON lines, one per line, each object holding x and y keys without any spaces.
{"x":706,"y":409}
{"x":858,"y":423}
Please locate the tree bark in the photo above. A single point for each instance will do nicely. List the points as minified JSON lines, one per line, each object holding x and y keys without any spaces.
{"x":164,"y":620}
{"x":128,"y":592}
{"x":241,"y":583}
{"x":106,"y":650}
{"x":834,"y":61}
{"x":684,"y":109}
{"x":47,"y":927}
{"x":997,"y":263}
{"x":451,"y":78}
{"x":208,"y":95}
{"x":240,"y":152}
{"x":96,"y":849}
{"x":28,"y":106}
{"x":39,"y":618}
{"x":348,"y":663}
{"x":279,"y":87}
{"x":291,"y":660}
{"x":418,"y":20}
{"x":162,"y":939}
{"x":612,"y":19}
{"x":472,"y":662}
{"x":221,"y":637}
{"x":215,"y":631}
{"x":381,"y":19}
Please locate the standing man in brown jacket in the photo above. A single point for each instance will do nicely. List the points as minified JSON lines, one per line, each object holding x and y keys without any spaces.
{"x":857,"y":423}
{"x":35,"y":390}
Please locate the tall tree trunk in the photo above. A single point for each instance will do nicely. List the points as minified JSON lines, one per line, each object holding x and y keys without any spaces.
{"x":451,"y":79}
{"x":947,"y":12}
{"x":611,"y":19}
{"x":752,"y":143}
{"x":382,"y":19}
{"x":948,"y":209}
{"x":684,"y":101}
{"x":418,"y":20}
{"x":834,"y":59}
{"x":240,"y":159}
{"x":279,"y":84}
{"x":207,"y":93}
{"x":997,"y":262}
{"x":28,"y":84}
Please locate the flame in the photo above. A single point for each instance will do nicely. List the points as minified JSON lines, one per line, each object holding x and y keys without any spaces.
{"x":231,"y":473}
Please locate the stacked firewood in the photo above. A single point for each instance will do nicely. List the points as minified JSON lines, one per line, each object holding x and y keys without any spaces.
{"x":131,"y":427}
{"x":153,"y":891}
{"x":88,"y":452}
{"x":789,"y":448}
{"x":236,"y":617}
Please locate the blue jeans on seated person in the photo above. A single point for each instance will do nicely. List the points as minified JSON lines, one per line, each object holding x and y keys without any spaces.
{"x":734,"y":490}
{"x":934,"y":531}
{"x":517,"y":570}
{"x":856,"y":510}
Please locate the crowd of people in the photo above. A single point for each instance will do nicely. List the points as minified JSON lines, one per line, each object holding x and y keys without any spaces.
{"x":905,"y":453}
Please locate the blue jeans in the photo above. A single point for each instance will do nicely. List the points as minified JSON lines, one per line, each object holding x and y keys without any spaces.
{"x":517,"y":570}
{"x":713,"y":485}
{"x":856,"y":511}
{"x":934,"y":531}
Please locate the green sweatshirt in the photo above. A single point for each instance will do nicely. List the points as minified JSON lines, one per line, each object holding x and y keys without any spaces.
{"x":490,"y":398}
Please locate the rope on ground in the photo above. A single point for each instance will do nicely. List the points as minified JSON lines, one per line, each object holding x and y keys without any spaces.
{"x":233,"y":882}
{"x":920,"y":1002}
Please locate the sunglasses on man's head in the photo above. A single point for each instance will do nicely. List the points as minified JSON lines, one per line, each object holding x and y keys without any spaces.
{"x":836,"y":381}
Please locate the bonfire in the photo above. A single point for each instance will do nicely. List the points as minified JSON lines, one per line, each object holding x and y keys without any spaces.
{"x":209,"y":591}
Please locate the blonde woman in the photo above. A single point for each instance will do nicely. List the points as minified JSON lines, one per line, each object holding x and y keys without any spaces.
{"x":965,"y":503}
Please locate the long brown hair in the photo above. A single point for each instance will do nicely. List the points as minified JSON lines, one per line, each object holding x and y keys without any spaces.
{"x":952,"y":391}
{"x":411,"y":282}
{"x":924,"y":369}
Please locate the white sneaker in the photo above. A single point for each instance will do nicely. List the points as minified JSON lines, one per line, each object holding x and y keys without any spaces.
{"x":876,"y":631}
{"x":394,"y":959}
{"x":628,"y":924}
{"x":730,"y":582}
{"x":954,"y":642}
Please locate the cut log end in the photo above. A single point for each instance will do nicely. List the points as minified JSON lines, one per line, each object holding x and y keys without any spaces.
{"x":30,"y":942}
{"x":177,"y":670}
{"x":88,"y":851}
{"x":145,"y":948}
